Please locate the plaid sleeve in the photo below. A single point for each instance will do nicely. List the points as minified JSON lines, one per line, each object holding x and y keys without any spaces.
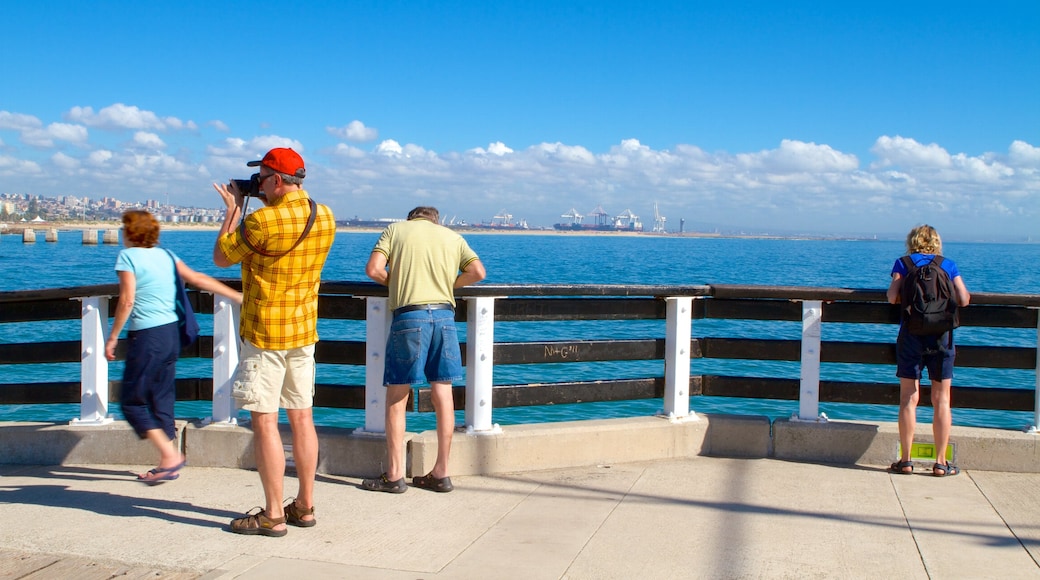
{"x":232,"y":245}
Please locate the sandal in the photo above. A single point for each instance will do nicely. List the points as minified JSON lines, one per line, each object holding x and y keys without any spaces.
{"x":161,"y":474}
{"x":294,"y":515}
{"x":384,"y":484}
{"x":944,"y":469}
{"x":428,"y":481}
{"x":258,"y":524}
{"x":902,"y":467}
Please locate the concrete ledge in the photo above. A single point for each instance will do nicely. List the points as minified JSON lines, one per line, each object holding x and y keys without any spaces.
{"x":994,"y":450}
{"x":835,"y":441}
{"x":878,"y":443}
{"x":353,"y":453}
{"x":578,"y":443}
{"x":219,"y":445}
{"x":61,"y":443}
{"x":738,"y":436}
{"x":349,"y":452}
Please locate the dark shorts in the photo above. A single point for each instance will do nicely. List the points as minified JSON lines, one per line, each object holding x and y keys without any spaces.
{"x":916,"y":353}
{"x":148,"y":391}
{"x":423,"y":346}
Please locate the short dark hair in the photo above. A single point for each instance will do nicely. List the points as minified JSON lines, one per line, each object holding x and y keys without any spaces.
{"x":426,"y":213}
{"x":140,"y":228}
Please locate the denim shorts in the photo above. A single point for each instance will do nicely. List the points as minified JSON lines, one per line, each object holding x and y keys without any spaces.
{"x":423,"y":346}
{"x":916,"y":353}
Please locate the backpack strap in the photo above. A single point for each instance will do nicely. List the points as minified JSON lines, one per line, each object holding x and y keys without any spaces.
{"x":306,"y":230}
{"x":909,"y":264}
{"x":905,"y":288}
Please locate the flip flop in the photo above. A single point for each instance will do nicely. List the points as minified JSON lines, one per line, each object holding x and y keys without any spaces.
{"x":161,"y":474}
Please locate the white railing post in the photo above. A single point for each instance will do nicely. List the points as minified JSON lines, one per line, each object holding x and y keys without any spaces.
{"x":480,"y":347}
{"x":678,"y":329}
{"x":377,"y":326}
{"x":93,"y":368}
{"x":809,"y":394}
{"x":226,"y":348}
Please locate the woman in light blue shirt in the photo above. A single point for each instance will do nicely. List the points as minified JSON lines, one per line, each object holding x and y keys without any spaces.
{"x":147,"y":308}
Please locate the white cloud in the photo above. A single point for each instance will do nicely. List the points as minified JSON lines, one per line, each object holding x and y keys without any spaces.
{"x":800,"y":157}
{"x":1023,"y":154}
{"x":65,"y":162}
{"x":564,"y":153}
{"x":18,"y":121}
{"x":354,"y":131}
{"x":900,"y":151}
{"x":12,"y":166}
{"x":795,"y":185}
{"x":67,"y":132}
{"x":45,"y":137}
{"x":100,"y":157}
{"x":389,"y":148}
{"x":121,"y":117}
{"x":497,"y":148}
{"x":176,"y":124}
{"x":219,"y":126}
{"x":344,"y":150}
{"x":228,"y":158}
{"x":148,"y":140}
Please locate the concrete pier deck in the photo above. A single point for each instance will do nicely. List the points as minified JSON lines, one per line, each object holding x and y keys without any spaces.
{"x":697,"y":517}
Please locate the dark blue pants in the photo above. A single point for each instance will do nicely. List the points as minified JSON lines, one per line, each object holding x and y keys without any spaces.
{"x":149,"y":390}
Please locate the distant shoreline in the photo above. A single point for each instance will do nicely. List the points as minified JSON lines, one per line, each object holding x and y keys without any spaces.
{"x":10,"y":228}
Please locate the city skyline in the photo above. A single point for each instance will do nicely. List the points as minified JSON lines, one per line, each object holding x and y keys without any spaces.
{"x":792,"y":118}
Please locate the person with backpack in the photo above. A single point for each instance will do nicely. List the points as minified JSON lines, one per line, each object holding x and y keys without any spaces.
{"x":929,"y":289}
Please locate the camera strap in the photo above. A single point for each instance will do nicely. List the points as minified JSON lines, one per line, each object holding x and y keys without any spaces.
{"x":306,"y":230}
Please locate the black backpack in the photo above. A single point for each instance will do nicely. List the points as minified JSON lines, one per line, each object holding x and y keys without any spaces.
{"x":929,"y":304}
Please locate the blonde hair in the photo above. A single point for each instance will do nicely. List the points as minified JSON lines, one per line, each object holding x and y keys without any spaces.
{"x":924,"y":240}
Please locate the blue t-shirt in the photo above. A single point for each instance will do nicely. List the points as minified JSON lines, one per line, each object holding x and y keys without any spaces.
{"x":921,"y":259}
{"x":155,"y":296}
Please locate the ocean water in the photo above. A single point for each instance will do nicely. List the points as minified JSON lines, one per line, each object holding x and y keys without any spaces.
{"x":575,"y":259}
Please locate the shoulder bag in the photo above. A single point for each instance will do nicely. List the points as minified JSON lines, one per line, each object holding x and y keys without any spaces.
{"x":186,"y":323}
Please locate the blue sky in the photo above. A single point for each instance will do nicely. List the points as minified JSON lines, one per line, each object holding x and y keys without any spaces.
{"x":789,"y":117}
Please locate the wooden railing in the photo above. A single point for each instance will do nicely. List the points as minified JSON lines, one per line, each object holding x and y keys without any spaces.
{"x":482,"y":306}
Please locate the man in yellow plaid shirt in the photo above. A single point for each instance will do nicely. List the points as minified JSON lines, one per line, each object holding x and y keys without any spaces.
{"x":282,"y":248}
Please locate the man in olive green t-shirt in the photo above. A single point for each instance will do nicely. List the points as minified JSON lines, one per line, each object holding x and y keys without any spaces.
{"x":422,"y":263}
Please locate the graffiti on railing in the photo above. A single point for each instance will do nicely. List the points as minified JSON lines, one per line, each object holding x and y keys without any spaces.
{"x":561,"y":351}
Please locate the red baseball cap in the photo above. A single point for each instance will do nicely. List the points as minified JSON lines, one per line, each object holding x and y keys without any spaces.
{"x":283,"y":160}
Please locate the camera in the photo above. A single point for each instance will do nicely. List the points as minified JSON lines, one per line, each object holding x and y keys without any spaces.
{"x":249,"y":187}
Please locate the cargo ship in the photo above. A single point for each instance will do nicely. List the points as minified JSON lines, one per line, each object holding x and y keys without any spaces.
{"x":503,"y":221}
{"x":357,"y":222}
{"x":602,"y":221}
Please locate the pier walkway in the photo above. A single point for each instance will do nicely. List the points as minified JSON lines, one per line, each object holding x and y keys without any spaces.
{"x":702,"y":517}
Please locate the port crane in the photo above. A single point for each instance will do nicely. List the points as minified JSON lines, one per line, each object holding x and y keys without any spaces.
{"x":503,"y":219}
{"x":573,"y":215}
{"x":628,"y":220}
{"x":658,"y":221}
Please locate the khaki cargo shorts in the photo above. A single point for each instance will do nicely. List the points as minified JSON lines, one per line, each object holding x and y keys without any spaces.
{"x":269,"y":379}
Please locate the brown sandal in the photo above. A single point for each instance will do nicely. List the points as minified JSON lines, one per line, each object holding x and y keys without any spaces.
{"x":294,"y":515}
{"x":258,"y":524}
